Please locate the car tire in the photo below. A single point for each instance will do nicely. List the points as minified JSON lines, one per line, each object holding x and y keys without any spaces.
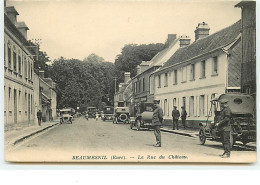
{"x":131,"y":126}
{"x":232,"y":140}
{"x":138,"y":125}
{"x":202,"y":136}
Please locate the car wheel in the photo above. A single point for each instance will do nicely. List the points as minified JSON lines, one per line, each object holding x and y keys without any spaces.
{"x":202,"y":136}
{"x":131,"y":126}
{"x":138,"y":125}
{"x":244,"y":141}
{"x":232,"y":140}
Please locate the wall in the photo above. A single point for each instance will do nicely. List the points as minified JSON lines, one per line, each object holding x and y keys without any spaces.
{"x":211,"y":85}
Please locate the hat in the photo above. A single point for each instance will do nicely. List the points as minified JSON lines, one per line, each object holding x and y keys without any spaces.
{"x":223,"y":101}
{"x":182,"y":107}
{"x":175,"y":106}
{"x":156,"y":101}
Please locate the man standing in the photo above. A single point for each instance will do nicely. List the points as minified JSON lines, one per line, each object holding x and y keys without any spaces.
{"x":183,"y":116}
{"x":39,"y":117}
{"x":224,"y":127}
{"x":175,"y":117}
{"x":157,"y":122}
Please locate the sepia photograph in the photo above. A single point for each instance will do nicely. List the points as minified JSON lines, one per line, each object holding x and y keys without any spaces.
{"x":135,"y":81}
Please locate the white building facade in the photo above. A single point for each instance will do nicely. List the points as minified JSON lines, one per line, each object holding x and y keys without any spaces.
{"x":18,"y":73}
{"x":196,"y":74}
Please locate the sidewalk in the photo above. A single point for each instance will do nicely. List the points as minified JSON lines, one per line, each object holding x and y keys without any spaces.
{"x":15,"y":136}
{"x":191,"y":132}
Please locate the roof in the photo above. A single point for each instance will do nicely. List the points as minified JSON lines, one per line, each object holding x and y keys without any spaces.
{"x":11,"y":9}
{"x":205,"y":45}
{"x":246,"y":3}
{"x":22,"y":25}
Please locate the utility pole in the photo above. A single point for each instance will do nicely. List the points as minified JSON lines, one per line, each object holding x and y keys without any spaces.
{"x":115,"y":78}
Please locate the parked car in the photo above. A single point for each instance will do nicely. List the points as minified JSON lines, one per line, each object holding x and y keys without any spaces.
{"x":66,"y":115}
{"x":107,"y":113}
{"x":144,"y":115}
{"x":243,"y":127}
{"x":121,"y":114}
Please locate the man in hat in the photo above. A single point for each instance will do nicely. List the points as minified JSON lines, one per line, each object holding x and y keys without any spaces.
{"x":157,"y":122}
{"x":175,"y":117}
{"x":39,"y":117}
{"x":224,"y":127}
{"x":183,"y":116}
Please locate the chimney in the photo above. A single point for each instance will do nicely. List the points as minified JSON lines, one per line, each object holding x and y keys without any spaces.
{"x":21,"y":26}
{"x":170,"y":39}
{"x":41,"y":74}
{"x":202,"y":30}
{"x":120,"y":87}
{"x":12,"y":13}
{"x":144,"y":65}
{"x":127,"y":76}
{"x":184,"y":41}
{"x":138,"y":69}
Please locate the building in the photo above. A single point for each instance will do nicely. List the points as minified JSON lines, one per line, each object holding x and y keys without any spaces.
{"x":18,"y":72}
{"x":24,"y":91}
{"x":123,"y":97}
{"x":48,"y":97}
{"x":141,"y":87}
{"x":199,"y":72}
{"x":248,"y":27}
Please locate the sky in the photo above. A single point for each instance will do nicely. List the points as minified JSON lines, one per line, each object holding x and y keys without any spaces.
{"x":77,"y":28}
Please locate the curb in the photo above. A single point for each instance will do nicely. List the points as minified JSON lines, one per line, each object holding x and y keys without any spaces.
{"x":32,"y":134}
{"x":179,"y":133}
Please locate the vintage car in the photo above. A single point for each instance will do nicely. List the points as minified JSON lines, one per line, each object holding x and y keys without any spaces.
{"x":107,"y":113}
{"x":243,"y":127}
{"x":66,"y":115}
{"x":143,"y":117}
{"x":91,"y":111}
{"x":121,"y":114}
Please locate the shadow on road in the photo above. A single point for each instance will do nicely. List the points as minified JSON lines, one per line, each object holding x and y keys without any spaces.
{"x":236,"y":147}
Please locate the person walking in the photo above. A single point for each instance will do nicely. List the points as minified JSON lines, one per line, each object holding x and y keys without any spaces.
{"x":183,"y":116}
{"x":39,"y":117}
{"x":175,"y":117}
{"x":97,"y":116}
{"x":224,"y":127}
{"x":157,"y":122}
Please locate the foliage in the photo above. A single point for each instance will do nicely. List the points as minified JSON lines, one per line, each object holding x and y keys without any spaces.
{"x":132,"y":55}
{"x":81,"y":83}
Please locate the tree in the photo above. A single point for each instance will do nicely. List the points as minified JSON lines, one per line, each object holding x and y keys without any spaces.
{"x":132,"y":55}
{"x":82,"y":83}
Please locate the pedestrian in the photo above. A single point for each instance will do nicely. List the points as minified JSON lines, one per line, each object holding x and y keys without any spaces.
{"x":224,"y":127}
{"x":157,"y":122}
{"x":96,"y":116}
{"x":175,"y":117}
{"x":39,"y":117}
{"x":183,"y":116}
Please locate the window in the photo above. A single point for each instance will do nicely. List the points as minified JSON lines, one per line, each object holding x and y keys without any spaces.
{"x":192,"y":72}
{"x":9,"y":58}
{"x":214,"y":106}
{"x":174,"y":102}
{"x":184,"y":102}
{"x":203,"y":69}
{"x":9,"y":93}
{"x":184,"y":74}
{"x":215,"y":66}
{"x":31,"y":71}
{"x":165,"y":112}
{"x":191,"y":107}
{"x":19,"y":64}
{"x":165,"y":79}
{"x":4,"y":54}
{"x":175,"y":80}
{"x":159,"y":81}
{"x":15,"y":61}
{"x":25,"y":68}
{"x":202,"y":105}
{"x":143,"y":85}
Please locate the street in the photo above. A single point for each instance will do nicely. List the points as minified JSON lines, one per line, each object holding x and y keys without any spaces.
{"x":109,"y":142}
